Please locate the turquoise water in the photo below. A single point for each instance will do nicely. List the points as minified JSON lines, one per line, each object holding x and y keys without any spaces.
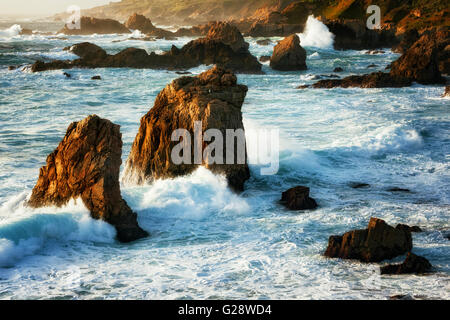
{"x":206,"y":241}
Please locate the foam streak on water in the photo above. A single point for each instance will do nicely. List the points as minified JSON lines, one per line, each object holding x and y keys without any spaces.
{"x":207,"y":242}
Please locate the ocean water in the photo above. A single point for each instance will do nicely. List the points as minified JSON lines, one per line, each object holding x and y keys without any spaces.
{"x":207,"y":242}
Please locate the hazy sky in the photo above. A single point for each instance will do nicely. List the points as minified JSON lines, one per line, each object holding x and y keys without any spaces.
{"x":44,"y":7}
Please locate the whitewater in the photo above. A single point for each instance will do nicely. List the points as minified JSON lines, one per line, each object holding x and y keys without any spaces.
{"x":207,"y":242}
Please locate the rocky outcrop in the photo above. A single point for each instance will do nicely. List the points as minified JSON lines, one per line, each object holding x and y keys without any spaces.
{"x":352,"y":34}
{"x":86,"y":165}
{"x":288,"y":55}
{"x":408,"y":228}
{"x":376,"y":243}
{"x":197,"y":52}
{"x":228,"y":34}
{"x":93,"y":25}
{"x":143,"y":24}
{"x":372,"y":80}
{"x":407,"y":40}
{"x":420,"y":62}
{"x":297,"y":198}
{"x":412,"y":264}
{"x":215,"y":99}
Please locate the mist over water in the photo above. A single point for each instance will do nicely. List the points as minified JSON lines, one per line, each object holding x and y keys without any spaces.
{"x":207,"y":242}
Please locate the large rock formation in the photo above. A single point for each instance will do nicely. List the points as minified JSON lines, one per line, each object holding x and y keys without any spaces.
{"x":297,"y":198}
{"x":86,"y":165}
{"x":376,"y":243}
{"x":218,"y":50}
{"x":412,"y":264}
{"x":288,"y":55}
{"x":143,"y":24}
{"x":420,"y":62}
{"x":215,"y":99}
{"x":93,"y":25}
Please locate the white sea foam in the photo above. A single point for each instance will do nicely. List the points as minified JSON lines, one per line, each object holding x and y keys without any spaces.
{"x":316,"y":34}
{"x":24,"y":231}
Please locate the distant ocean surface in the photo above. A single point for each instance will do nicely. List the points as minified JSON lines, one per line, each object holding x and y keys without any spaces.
{"x":207,"y":242}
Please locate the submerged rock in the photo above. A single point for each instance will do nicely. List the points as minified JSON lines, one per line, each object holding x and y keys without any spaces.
{"x":412,"y":264}
{"x":376,"y":243}
{"x":297,"y":198}
{"x":338,"y":69}
{"x":96,"y":78}
{"x":93,"y":25}
{"x":215,"y":99}
{"x":372,"y":80}
{"x":359,"y":185}
{"x":288,"y":55}
{"x":86,"y":165}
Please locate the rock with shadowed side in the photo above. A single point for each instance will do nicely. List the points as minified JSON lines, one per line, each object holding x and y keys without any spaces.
{"x":288,"y":55}
{"x":86,"y":165}
{"x":215,"y":99}
{"x":143,"y":24}
{"x":412,"y":264}
{"x":297,"y":198}
{"x":446,"y":92}
{"x":228,"y":34}
{"x":93,"y":25}
{"x":376,"y":243}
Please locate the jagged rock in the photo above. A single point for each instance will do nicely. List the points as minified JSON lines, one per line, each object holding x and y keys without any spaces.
{"x":93,"y":25}
{"x":228,"y":34}
{"x":408,"y":39}
{"x":86,"y":165}
{"x":297,"y":198}
{"x":197,"y":52}
{"x":67,"y":75}
{"x":412,"y":264}
{"x":215,"y":99}
{"x":288,"y":55}
{"x":446,"y":92}
{"x":143,"y":24}
{"x":338,"y":69}
{"x":372,"y":52}
{"x":408,"y":228}
{"x":420,"y":62}
{"x":376,"y":243}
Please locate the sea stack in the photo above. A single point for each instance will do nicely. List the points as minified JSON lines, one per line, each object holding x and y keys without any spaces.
{"x":215,"y":99}
{"x":376,"y":243}
{"x":90,"y":25}
{"x":86,"y":165}
{"x":288,"y":55}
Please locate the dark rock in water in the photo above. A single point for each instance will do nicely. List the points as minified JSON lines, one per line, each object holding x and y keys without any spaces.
{"x":143,"y":24}
{"x":375,"y":52}
{"x":288,"y":55}
{"x":183,"y":72}
{"x":11,"y":68}
{"x":396,"y":189}
{"x":376,"y":243}
{"x":26,"y":32}
{"x":401,"y":297}
{"x":329,"y":76}
{"x":447,"y":236}
{"x":353,"y":34}
{"x":67,"y":75}
{"x":372,"y":66}
{"x":446,"y":92}
{"x":87,"y":50}
{"x":197,"y":52}
{"x":297,"y":198}
{"x":86,"y":165}
{"x":304,"y":86}
{"x":359,"y":185}
{"x":338,"y":69}
{"x":264,"y":58}
{"x":93,"y":25}
{"x":408,"y":228}
{"x":412,"y":264}
{"x":372,"y":80}
{"x":96,"y":78}
{"x":215,"y":99}
{"x":264,"y":42}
